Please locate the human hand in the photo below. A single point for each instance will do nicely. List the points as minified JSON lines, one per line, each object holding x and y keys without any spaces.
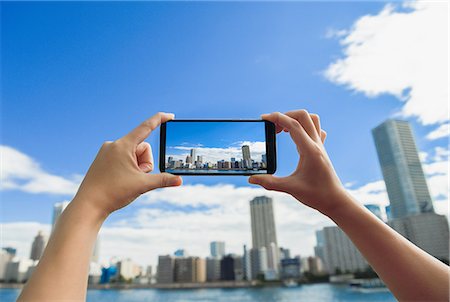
{"x":314,"y":181}
{"x":119,"y":173}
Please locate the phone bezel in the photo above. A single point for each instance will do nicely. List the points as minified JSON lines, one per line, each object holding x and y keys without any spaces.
{"x":270,"y":146}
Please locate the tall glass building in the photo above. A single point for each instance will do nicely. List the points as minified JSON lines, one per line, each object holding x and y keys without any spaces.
{"x":402,"y":171}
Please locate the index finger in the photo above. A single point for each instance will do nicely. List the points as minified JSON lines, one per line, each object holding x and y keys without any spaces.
{"x":298,"y":134}
{"x":141,"y":132}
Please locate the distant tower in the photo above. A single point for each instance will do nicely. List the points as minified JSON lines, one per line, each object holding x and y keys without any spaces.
{"x":402,"y":171}
{"x":264,"y":237}
{"x":217,"y":249}
{"x":38,"y":246}
{"x":246,"y":157}
{"x":193,"y":155}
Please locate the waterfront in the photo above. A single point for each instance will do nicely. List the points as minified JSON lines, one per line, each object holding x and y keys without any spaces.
{"x":313,"y":292}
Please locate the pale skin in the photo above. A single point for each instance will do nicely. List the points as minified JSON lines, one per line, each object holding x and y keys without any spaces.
{"x":119,"y":174}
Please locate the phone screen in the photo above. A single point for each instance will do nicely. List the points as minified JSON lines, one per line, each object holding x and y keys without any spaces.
{"x":222,"y":147}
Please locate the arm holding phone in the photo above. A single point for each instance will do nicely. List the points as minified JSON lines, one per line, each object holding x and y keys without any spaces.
{"x":410,"y":273}
{"x":119,"y":174}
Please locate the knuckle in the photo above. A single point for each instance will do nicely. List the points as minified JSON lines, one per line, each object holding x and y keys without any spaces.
{"x":106,"y":144}
{"x":303,"y":113}
{"x":315,"y":116}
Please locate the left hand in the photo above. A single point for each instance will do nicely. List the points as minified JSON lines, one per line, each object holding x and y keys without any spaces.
{"x":119,"y":173}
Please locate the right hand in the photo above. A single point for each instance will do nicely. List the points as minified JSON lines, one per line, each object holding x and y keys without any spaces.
{"x":314,"y":182}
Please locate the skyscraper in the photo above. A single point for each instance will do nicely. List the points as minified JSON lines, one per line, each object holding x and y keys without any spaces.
{"x":193,"y":155}
{"x":402,"y":171}
{"x":58,"y":208}
{"x":340,"y":254}
{"x":246,"y":157}
{"x":263,"y":222}
{"x":38,"y":246}
{"x":217,"y":249}
{"x":264,"y":236}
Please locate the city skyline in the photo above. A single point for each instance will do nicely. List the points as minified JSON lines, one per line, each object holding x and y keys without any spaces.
{"x":240,"y":161}
{"x":173,"y":57}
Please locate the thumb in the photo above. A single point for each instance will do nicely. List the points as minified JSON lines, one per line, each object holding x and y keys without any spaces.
{"x":269,"y":182}
{"x":162,"y":180}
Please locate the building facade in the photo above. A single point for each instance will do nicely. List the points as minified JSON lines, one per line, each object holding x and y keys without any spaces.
{"x":166,"y":267}
{"x":217,"y":249}
{"x":38,"y":246}
{"x":340,"y":254}
{"x":429,"y":231}
{"x":402,"y":170}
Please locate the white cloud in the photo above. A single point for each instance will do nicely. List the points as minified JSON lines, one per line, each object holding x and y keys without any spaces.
{"x":21,"y":172}
{"x":440,"y":132}
{"x":152,"y":232}
{"x":371,"y":193}
{"x":402,"y":52}
{"x":213,"y":154}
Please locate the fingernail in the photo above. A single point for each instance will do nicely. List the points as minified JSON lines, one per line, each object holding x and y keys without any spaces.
{"x":175,"y":181}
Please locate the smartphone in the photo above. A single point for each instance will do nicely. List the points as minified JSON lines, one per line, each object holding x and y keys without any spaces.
{"x":217,"y":147}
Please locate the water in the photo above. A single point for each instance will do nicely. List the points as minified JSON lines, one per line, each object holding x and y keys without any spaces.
{"x":313,"y":293}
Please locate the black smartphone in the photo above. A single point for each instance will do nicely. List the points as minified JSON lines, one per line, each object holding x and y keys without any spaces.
{"x":217,"y":147}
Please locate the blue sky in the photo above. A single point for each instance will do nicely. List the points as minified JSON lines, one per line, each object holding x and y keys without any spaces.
{"x":77,"y":74}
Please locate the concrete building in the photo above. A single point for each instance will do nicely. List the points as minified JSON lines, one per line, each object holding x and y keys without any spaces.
{"x":38,"y":246}
{"x":217,"y":249}
{"x":166,"y":266}
{"x":315,"y":265}
{"x":231,"y":268}
{"x":290,"y":268}
{"x":429,"y":231}
{"x":5,"y":257}
{"x":284,"y":253}
{"x":127,"y":269}
{"x":190,"y":269}
{"x":200,"y":270}
{"x":340,"y":253}
{"x":258,"y":258}
{"x":264,"y":236}
{"x":402,"y":171}
{"x":247,"y":264}
{"x":212,"y":269}
{"x":17,"y":270}
{"x":246,"y":156}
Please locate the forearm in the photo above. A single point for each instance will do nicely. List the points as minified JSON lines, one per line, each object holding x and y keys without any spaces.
{"x":409,"y":272}
{"x":63,"y":270}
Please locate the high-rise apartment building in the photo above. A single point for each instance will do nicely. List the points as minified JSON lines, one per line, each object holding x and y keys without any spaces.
{"x":429,"y":231}
{"x":402,"y":171}
{"x":264,"y":236}
{"x":212,"y":269}
{"x":166,"y":265}
{"x":217,"y":249}
{"x":246,"y":157}
{"x":339,"y":253}
{"x":263,"y":222}
{"x":38,"y":246}
{"x":193,"y":155}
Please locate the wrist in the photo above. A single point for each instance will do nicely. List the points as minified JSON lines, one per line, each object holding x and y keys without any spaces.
{"x":90,"y":212}
{"x":343,"y":205}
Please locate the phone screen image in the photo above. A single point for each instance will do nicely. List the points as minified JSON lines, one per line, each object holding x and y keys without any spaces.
{"x":218,"y":147}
